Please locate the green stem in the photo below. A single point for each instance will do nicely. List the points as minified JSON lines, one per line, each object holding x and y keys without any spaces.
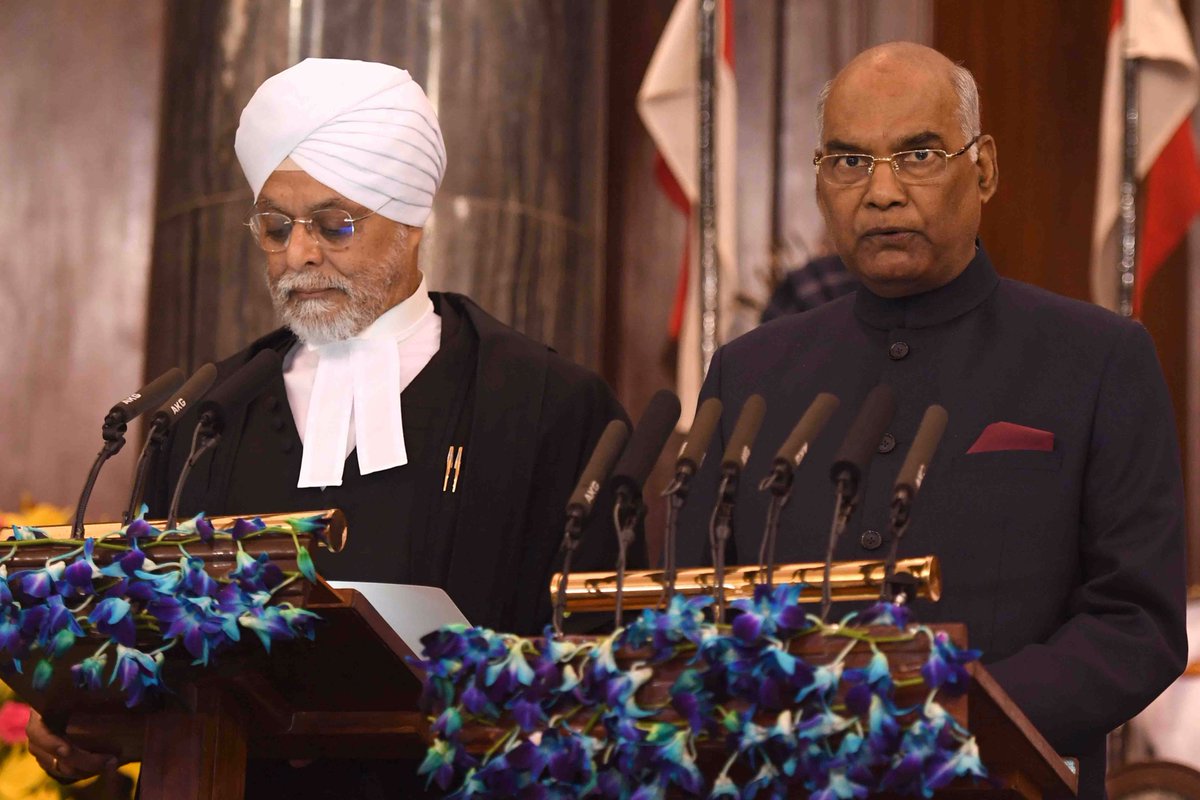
{"x":503,"y":740}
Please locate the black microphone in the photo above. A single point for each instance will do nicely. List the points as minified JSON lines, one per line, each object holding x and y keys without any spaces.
{"x":231,"y":394}
{"x":597,"y":470}
{"x":691,"y":456}
{"x":240,"y":388}
{"x":580,"y":505}
{"x":795,"y":448}
{"x":737,"y":453}
{"x":783,"y":472}
{"x":161,"y":423}
{"x":908,"y":482}
{"x":113,"y":433}
{"x":145,"y":398}
{"x":649,"y":437}
{"x":861,"y":442}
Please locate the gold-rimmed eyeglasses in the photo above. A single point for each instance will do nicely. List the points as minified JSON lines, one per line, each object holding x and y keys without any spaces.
{"x":923,"y":165}
{"x":333,"y":228}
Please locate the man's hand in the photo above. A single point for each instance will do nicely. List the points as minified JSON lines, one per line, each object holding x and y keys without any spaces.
{"x":63,"y":761}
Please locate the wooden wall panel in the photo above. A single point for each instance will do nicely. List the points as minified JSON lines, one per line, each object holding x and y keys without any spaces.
{"x":79,"y":91}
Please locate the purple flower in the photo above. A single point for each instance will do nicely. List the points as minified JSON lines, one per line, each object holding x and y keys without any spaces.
{"x":87,"y":673}
{"x":41,"y":582}
{"x":204,"y":529}
{"x":772,"y":613}
{"x":136,"y":673}
{"x":242,"y":528}
{"x":945,"y":668}
{"x":77,"y":577}
{"x":140,"y":529}
{"x":256,"y":574}
{"x":112,"y":618}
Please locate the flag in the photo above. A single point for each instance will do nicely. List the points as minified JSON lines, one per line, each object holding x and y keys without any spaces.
{"x":668,"y":104}
{"x":1155,"y":32}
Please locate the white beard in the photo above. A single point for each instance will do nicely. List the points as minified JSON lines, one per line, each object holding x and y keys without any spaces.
{"x":320,"y":321}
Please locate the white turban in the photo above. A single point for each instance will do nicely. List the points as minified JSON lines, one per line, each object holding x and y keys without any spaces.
{"x":363,"y":129}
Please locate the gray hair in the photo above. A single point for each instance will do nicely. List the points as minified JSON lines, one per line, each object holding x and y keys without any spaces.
{"x":968,"y":105}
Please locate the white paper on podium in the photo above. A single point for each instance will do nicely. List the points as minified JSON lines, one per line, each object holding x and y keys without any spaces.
{"x":412,"y":611}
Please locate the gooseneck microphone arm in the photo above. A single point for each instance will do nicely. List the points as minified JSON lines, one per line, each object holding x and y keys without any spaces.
{"x":690,"y":458}
{"x":579,"y":507}
{"x":849,"y":467}
{"x":204,"y":438}
{"x":737,"y":453}
{"x":779,"y":481}
{"x":116,"y":422}
{"x":160,"y":426}
{"x":908,"y":483}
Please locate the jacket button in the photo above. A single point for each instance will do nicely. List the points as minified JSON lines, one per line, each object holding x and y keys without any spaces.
{"x":277,"y":422}
{"x":871,"y":540}
{"x":898,"y":350}
{"x":887,"y":444}
{"x":272,"y":402}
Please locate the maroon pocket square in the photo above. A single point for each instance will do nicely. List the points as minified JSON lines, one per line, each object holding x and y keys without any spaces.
{"x":1010,"y":436}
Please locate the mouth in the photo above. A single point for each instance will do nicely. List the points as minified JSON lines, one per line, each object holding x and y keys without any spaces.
{"x":300,"y":295}
{"x":885,"y":235}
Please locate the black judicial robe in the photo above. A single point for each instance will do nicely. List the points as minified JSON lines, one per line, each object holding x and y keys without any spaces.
{"x":526,"y":421}
{"x":1067,"y":564}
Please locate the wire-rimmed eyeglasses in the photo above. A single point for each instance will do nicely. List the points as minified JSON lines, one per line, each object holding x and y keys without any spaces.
{"x":923,"y":165}
{"x":333,"y":228}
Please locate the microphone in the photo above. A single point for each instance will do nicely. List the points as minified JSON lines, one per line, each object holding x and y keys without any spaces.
{"x":161,"y":424}
{"x":691,"y":456}
{"x":783,"y":471}
{"x":795,"y":448}
{"x":234,"y":392}
{"x":241,"y":387}
{"x":908,"y":482}
{"x":649,"y":437}
{"x":579,"y":506}
{"x":862,"y":440}
{"x":113,"y":432}
{"x":737,"y":453}
{"x":860,"y":444}
{"x":145,"y":398}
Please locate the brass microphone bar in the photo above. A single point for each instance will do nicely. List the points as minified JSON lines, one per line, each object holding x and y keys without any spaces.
{"x":850,"y":580}
{"x":336,"y":533}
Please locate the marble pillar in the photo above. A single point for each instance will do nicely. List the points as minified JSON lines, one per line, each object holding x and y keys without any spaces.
{"x":520,"y":89}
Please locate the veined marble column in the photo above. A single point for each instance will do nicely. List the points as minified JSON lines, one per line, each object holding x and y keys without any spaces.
{"x":520,"y":88}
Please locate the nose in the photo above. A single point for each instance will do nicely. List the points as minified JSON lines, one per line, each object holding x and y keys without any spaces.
{"x":303,"y":250}
{"x":884,"y":189}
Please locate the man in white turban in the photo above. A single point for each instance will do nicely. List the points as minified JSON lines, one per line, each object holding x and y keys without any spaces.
{"x":451,"y":441}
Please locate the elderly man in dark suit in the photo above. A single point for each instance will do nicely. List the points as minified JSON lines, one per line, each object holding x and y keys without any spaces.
{"x":1055,"y":499}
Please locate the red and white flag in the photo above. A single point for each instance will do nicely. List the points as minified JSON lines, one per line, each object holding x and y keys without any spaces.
{"x":1155,"y":32}
{"x":668,"y":104}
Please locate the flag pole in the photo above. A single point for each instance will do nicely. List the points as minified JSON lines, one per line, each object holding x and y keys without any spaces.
{"x":1127,"y":272}
{"x":709,"y":275}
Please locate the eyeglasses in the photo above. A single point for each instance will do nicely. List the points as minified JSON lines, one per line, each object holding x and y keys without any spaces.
{"x":910,"y":166}
{"x":332,"y":227}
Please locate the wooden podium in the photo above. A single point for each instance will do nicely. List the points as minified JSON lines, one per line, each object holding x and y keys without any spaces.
{"x":350,"y":693}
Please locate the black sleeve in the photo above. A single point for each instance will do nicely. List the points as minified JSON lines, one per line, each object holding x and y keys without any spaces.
{"x":575,"y":414}
{"x":1125,"y":639}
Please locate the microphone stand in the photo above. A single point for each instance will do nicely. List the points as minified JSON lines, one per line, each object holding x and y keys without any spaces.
{"x":205,"y":437}
{"x":842,"y":510}
{"x":571,"y":537}
{"x":114,"y":439}
{"x":901,"y":511}
{"x":628,"y":511}
{"x":153,"y":444}
{"x":719,"y":531}
{"x":779,"y":482}
{"x":676,"y":494}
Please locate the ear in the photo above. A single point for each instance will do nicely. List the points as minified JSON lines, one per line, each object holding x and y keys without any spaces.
{"x":988,"y":167}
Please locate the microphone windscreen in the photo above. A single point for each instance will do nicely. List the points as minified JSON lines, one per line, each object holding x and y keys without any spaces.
{"x":241,"y":387}
{"x":794,"y":449}
{"x":737,"y":452}
{"x":598,"y":467}
{"x":862,"y":440}
{"x":929,"y":434}
{"x":648,"y":440}
{"x":192,"y":390}
{"x":700,"y":435}
{"x":148,"y":397}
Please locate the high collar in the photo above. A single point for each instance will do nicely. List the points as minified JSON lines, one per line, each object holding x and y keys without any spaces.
{"x":964,"y":293}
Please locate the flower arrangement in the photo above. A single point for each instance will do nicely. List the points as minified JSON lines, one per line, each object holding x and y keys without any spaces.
{"x":140,"y":592}
{"x":567,"y":718}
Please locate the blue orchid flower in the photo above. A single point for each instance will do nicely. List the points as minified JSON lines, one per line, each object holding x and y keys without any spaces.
{"x":42,"y":674}
{"x":136,"y":673}
{"x":945,"y":668}
{"x":41,"y":583}
{"x":79,"y":574}
{"x":87,"y":674}
{"x":112,"y":618}
{"x":771,"y":613}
